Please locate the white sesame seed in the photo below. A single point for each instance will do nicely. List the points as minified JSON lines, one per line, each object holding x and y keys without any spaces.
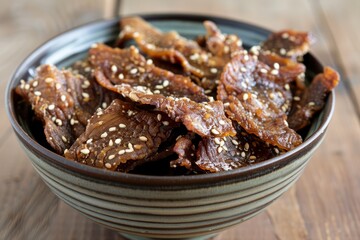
{"x":282,"y":51}
{"x":274,"y":72}
{"x":165,"y":123}
{"x":243,"y":69}
{"x":108,"y":165}
{"x":121,"y":125}
{"x":246,"y":57}
{"x":219,"y":149}
{"x":64,"y":138}
{"x":213,"y":70}
{"x":235,"y":142}
{"x":37,"y":93}
{"x":35,"y":83}
{"x":272,"y":95}
{"x":287,"y":86}
{"x":156,"y":91}
{"x":252,"y":157}
{"x":143,"y":138}
{"x":159,"y":117}
{"x":111,"y":156}
{"x":276,"y":150}
{"x":311,"y":104}
{"x":245,"y":96}
{"x":159,"y":86}
{"x":276,"y":65}
{"x":133,"y":71}
{"x":118,"y":141}
{"x":89,"y":141}
{"x":166,"y":83}
{"x":194,"y":56}
{"x":63,"y":98}
{"x":243,"y":154}
{"x":104,"y":135}
{"x":263,"y":70}
{"x":112,"y":129}
{"x":246,"y":146}
{"x":296,"y":98}
{"x":58,"y":122}
{"x":66,"y":151}
{"x":104,"y":105}
{"x":58,"y":86}
{"x":114,"y":68}
{"x":51,"y":107}
{"x":85,"y":95}
{"x":85,"y":151}
{"x":217,"y":141}
{"x":149,"y":61}
{"x":121,"y":76}
{"x":222,"y":122}
{"x":121,"y":152}
{"x":214,"y":131}
{"x":138,"y":146}
{"x":48,"y":80}
{"x":286,"y":123}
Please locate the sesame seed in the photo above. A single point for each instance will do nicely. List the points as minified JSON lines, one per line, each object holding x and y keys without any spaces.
{"x":226,"y":104}
{"x":114,"y":68}
{"x":222,"y":143}
{"x":112,"y":129}
{"x":143,"y":138}
{"x":111,"y":156}
{"x":133,"y":71}
{"x":276,"y":150}
{"x":243,"y":154}
{"x":37,"y":93}
{"x":311,"y":104}
{"x":94,"y":45}
{"x":133,"y":96}
{"x":138,"y":146}
{"x":246,"y":57}
{"x":156,"y":91}
{"x":64,"y":138}
{"x":272,"y":95}
{"x":245,"y":96}
{"x":282,"y":51}
{"x":296,"y":98}
{"x":217,"y":141}
{"x":107,"y":165}
{"x":85,"y":95}
{"x":274,"y":72}
{"x":35,"y":83}
{"x":104,"y":135}
{"x":235,"y":142}
{"x":213,"y":70}
{"x":263,"y":70}
{"x":51,"y":107}
{"x":159,"y":117}
{"x":121,"y":125}
{"x":166,"y":83}
{"x":118,"y":141}
{"x":222,"y":122}
{"x":214,"y":131}
{"x":252,"y":157}
{"x":287,"y":86}
{"x":165,"y":123}
{"x":226,"y":49}
{"x":104,"y":105}
{"x":225,"y":148}
{"x":159,"y":86}
{"x":58,"y":122}
{"x":219,"y":149}
{"x":48,"y":80}
{"x":276,"y":66}
{"x":58,"y":86}
{"x":63,"y":98}
{"x":121,"y":76}
{"x":246,"y":146}
{"x":194,"y":56}
{"x":85,"y":151}
{"x":66,"y":151}
{"x":27,"y":86}
{"x":286,"y":123}
{"x":121,"y":152}
{"x":149,"y":61}
{"x":243,"y":69}
{"x":89,"y":141}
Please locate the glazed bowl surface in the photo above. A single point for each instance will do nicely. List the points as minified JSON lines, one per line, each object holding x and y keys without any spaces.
{"x":159,"y":207}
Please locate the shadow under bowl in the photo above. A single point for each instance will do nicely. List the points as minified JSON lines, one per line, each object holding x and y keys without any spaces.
{"x":160,"y":207}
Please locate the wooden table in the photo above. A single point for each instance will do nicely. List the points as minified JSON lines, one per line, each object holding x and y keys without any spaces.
{"x":323,"y":204}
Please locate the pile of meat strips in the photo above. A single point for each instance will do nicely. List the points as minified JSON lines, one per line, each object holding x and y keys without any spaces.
{"x":195,"y":106}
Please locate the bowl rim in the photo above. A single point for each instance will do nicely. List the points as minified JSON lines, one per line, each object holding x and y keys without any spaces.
{"x":85,"y":171}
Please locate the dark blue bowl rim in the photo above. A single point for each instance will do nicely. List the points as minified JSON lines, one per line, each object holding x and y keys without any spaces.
{"x":241,"y":174}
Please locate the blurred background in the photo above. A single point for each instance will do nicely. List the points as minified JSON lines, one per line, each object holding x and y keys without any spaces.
{"x":324,"y":204}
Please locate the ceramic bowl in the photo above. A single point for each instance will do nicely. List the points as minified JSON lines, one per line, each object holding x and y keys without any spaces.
{"x":160,"y":207}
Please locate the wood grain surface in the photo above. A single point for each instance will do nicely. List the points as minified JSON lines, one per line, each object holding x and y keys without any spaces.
{"x":323,"y":204}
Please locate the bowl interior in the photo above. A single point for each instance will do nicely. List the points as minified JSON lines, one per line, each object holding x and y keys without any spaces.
{"x":71,"y":46}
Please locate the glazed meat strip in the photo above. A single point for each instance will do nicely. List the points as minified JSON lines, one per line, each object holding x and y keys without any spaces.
{"x":121,"y":137}
{"x":255,"y":100}
{"x":288,"y":43}
{"x":205,"y":119}
{"x":313,"y":99}
{"x":204,"y":65}
{"x":130,"y":67}
{"x":228,"y":153}
{"x":63,"y":102}
{"x":186,"y":151}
